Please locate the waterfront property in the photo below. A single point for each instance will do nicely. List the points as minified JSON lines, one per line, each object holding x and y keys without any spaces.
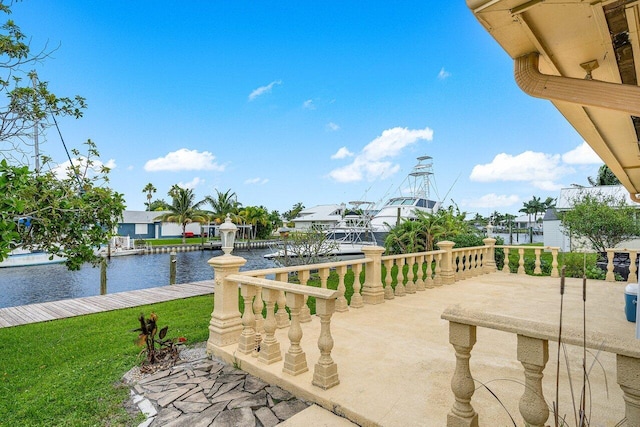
{"x":423,"y":334}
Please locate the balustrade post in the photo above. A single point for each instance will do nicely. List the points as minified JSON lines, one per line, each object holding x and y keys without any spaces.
{"x":388,"y":289}
{"x":305,"y":311}
{"x":554,"y":263}
{"x":400,"y":289}
{"x":628,"y":375}
{"x":446,"y":273}
{"x":373,"y":292}
{"x":610,"y":277}
{"x":505,"y":267}
{"x":282,"y":317}
{"x":341,"y":302}
{"x":410,"y":287}
{"x":633,"y":269}
{"x":533,"y":353}
{"x":325,"y":374}
{"x":437,"y":279}
{"x":537,"y":269}
{"x":270,"y":347}
{"x":356,"y":298}
{"x":490,"y":255}
{"x":429,"y":281}
{"x":420,"y":284}
{"x":247,"y":340}
{"x":463,"y":338}
{"x":521,"y":261}
{"x":225,"y":326}
{"x":295,"y":361}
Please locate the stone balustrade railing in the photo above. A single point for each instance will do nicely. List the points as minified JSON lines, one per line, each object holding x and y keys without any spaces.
{"x":533,"y":353}
{"x":537,"y":250}
{"x":409,"y":272}
{"x":633,"y":268}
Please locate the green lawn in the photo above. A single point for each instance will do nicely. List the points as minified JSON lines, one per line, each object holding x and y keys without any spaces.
{"x":67,"y":372}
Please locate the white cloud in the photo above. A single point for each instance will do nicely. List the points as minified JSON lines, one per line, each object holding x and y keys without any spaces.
{"x":342,"y":153}
{"x":539,"y":169}
{"x":308,"y":105}
{"x":256,"y":181}
{"x":184,"y":159}
{"x":191,"y":184}
{"x":583,"y":154}
{"x":493,"y":200}
{"x":332,"y":127}
{"x":62,"y":170}
{"x":371,"y":162}
{"x":443,"y":74}
{"x":263,"y":89}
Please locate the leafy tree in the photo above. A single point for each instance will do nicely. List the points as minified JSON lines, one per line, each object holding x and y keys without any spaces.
{"x":604,"y":220}
{"x":66,"y":216}
{"x":29,"y":103}
{"x":275,"y":219}
{"x":159,"y":205}
{"x":149,"y":189}
{"x":183,"y":209}
{"x":604,"y":177}
{"x":254,"y":216}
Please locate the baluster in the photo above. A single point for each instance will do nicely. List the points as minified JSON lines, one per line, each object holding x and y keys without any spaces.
{"x":458,"y":266}
{"x":537,"y":269}
{"x":282,"y":317}
{"x":632,"y":267}
{"x":429,"y":282}
{"x":305,"y":311}
{"x":437,"y":280}
{"x":247,"y":340}
{"x":463,"y":338}
{"x":628,"y":377}
{"x":610,"y":277}
{"x":468,"y":271}
{"x":505,"y":267}
{"x":477,"y":258}
{"x":325,"y":374}
{"x":410,"y":288}
{"x":388,"y":289}
{"x":533,"y":353}
{"x":258,"y":306}
{"x":356,"y":298}
{"x":400,"y":289}
{"x":341,"y":302}
{"x":554,"y":263}
{"x":270,"y":347}
{"x":420,"y":285}
{"x":521,"y":261}
{"x":295,"y":361}
{"x":323,"y":273}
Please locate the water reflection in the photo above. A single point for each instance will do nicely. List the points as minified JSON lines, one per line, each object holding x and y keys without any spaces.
{"x":41,"y":283}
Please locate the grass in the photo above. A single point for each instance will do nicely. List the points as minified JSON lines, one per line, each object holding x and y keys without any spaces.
{"x":67,"y":372}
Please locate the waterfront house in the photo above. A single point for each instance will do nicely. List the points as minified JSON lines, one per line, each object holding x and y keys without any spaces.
{"x":144,"y":225}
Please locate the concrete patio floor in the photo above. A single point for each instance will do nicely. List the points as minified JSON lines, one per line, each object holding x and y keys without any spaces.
{"x":395,"y":362}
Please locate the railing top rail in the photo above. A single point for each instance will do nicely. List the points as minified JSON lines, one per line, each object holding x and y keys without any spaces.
{"x":312,"y":291}
{"x":627,"y":346}
{"x":546,"y":248}
{"x":399,"y":256}
{"x":622,"y":249}
{"x":468,"y":248}
{"x":296,"y":268}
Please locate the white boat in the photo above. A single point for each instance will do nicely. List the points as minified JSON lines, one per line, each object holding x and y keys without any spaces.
{"x":25,"y":258}
{"x":404,"y":207}
{"x":120,"y":246}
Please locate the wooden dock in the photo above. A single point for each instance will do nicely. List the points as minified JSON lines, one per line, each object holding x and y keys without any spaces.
{"x":42,"y":312}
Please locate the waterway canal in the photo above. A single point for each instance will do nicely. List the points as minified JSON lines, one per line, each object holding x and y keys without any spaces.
{"x":42,"y":283}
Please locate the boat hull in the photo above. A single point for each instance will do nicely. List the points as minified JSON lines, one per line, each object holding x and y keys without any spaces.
{"x":27,"y":259}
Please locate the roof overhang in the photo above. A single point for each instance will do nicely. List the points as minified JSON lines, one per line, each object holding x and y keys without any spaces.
{"x":581,"y":56}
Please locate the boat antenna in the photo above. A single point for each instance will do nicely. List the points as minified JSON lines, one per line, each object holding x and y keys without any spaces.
{"x":451,"y":188}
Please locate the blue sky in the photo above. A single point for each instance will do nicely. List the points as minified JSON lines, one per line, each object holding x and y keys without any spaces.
{"x":298,"y":101}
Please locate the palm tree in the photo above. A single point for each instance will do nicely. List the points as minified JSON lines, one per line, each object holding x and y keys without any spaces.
{"x":149,"y":189}
{"x":605,"y":177}
{"x":183,"y":210}
{"x":294,"y":211}
{"x":223,"y":204}
{"x":253,"y":216}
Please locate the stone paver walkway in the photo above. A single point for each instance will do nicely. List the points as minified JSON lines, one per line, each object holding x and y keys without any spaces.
{"x":206,"y":392}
